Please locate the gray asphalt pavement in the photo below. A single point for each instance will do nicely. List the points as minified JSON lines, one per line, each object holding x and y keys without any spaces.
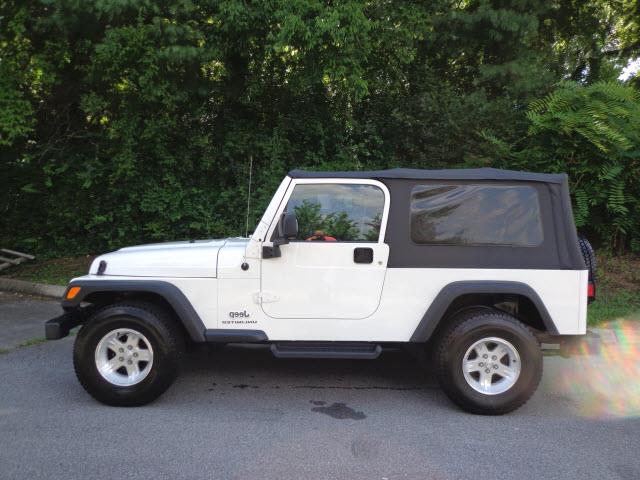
{"x":22,"y":317}
{"x":242,"y":414}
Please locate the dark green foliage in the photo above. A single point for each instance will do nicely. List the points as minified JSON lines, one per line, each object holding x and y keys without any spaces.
{"x":133,"y":121}
{"x":592,"y":133}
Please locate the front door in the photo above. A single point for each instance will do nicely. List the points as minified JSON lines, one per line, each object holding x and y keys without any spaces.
{"x":336,"y":266}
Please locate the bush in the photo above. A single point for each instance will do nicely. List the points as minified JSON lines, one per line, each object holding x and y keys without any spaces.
{"x":592,"y":133}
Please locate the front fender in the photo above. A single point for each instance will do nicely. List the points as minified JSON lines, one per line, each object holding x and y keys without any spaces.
{"x":172,"y":294}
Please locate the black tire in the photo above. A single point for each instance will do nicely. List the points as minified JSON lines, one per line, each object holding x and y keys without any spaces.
{"x":469,"y":327}
{"x":589,"y":256}
{"x":157,"y":326}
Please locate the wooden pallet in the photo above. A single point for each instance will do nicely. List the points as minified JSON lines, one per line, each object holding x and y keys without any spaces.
{"x":9,"y":258}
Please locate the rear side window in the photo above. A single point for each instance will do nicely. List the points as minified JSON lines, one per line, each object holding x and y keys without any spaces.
{"x":337,"y":212}
{"x":475,"y":215}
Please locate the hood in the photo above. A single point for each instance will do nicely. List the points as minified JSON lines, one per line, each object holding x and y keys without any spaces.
{"x":197,"y":258}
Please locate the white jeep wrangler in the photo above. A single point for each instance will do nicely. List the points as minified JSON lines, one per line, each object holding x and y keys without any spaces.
{"x":476,"y":267}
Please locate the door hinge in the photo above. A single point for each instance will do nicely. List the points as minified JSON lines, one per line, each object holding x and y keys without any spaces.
{"x":264,"y":297}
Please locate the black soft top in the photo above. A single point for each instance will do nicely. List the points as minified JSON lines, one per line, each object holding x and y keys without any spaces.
{"x":445,"y":174}
{"x":559,"y":249}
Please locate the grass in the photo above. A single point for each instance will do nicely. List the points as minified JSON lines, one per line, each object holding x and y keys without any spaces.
{"x":619,"y":305}
{"x":618,"y":289}
{"x":32,"y":341}
{"x":618,"y":293}
{"x":27,"y":343}
{"x":54,"y":271}
{"x":35,"y":341}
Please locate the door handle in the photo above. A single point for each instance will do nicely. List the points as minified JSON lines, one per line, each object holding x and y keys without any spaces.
{"x":363,"y":255}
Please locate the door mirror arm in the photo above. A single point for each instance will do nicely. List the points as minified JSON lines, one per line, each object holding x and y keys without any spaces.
{"x":280,"y":241}
{"x":271,"y":252}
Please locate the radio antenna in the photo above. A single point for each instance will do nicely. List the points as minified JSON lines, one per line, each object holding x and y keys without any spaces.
{"x":246,"y":230}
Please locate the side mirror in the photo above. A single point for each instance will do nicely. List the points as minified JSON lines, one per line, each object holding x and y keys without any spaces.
{"x":287,"y":229}
{"x":288,"y":226}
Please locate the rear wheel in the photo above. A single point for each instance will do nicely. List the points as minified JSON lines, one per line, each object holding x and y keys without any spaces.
{"x":488,"y":362}
{"x":127,"y":354}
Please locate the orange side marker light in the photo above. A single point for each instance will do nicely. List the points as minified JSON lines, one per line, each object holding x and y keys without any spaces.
{"x":73,"y":291}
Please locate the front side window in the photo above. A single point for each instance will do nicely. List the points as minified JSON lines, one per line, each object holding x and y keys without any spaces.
{"x":336,"y":212}
{"x":475,"y":215}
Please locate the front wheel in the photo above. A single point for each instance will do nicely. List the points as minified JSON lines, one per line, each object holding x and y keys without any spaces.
{"x":488,"y":362}
{"x":127,"y":354}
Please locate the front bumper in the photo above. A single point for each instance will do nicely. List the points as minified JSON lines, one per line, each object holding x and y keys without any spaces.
{"x":571,"y":345}
{"x":59,"y":327}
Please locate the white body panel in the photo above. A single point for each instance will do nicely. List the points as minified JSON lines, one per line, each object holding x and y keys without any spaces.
{"x":315,"y":291}
{"x":320,"y":280}
{"x":201,"y":292}
{"x":406,"y":295}
{"x":173,"y":259}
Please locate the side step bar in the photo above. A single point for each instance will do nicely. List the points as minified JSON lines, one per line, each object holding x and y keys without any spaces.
{"x":354,"y":350}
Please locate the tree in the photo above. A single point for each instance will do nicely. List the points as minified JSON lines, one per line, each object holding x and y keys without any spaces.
{"x":129,"y":122}
{"x":590,"y":132}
